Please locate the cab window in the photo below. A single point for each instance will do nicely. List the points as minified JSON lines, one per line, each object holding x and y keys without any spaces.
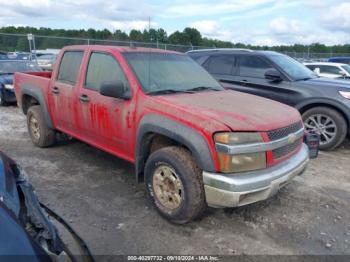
{"x":103,"y":68}
{"x":69,"y":67}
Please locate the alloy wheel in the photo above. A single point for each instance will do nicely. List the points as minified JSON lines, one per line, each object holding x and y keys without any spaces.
{"x":322,"y":125}
{"x":167,"y":186}
{"x":34,"y":127}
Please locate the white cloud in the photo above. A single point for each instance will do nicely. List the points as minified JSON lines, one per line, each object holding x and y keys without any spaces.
{"x":206,"y":27}
{"x":186,"y":9}
{"x":283,"y":25}
{"x":128,"y":25}
{"x":338,"y":17}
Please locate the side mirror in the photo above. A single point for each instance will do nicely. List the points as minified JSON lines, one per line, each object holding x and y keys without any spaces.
{"x":115,"y":89}
{"x":317,"y":71}
{"x":343,"y":74}
{"x":273,"y":75}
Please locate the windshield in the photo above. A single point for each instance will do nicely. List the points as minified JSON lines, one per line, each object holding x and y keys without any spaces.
{"x":10,"y":67}
{"x":293,"y":68}
{"x":346,"y":68}
{"x":159,"y":72}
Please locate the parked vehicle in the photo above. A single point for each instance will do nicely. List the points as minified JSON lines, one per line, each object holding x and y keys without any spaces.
{"x":25,"y":228}
{"x":323,"y":103}
{"x":341,"y":59}
{"x":330,"y":70}
{"x":192,"y":142}
{"x":7,"y":70}
{"x":46,"y":61}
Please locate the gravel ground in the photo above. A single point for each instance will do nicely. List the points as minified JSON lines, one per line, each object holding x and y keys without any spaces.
{"x":98,"y":195}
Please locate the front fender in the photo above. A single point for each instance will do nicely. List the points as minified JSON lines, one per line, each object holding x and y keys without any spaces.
{"x":176,"y":131}
{"x":345,"y":109}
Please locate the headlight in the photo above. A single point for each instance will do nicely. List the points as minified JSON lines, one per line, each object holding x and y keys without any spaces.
{"x":240,"y":162}
{"x":8,"y":86}
{"x":345,"y":94}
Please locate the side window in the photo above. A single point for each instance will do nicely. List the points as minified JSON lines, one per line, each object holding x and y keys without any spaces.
{"x":252,"y":66}
{"x":330,"y":70}
{"x":221,"y":64}
{"x":101,"y":68}
{"x":69,"y":67}
{"x":311,"y":67}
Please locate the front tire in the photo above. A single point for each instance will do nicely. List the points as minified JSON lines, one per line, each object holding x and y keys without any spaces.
{"x":174,"y":183}
{"x":40,"y":133}
{"x":328,"y":123}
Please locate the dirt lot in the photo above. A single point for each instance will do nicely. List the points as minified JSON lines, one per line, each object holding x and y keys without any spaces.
{"x":97,"y":194}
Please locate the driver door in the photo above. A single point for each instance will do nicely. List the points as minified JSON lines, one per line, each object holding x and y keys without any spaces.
{"x":104,"y":120}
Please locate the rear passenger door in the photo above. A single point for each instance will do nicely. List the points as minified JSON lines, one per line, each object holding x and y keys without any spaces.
{"x":62,"y":96}
{"x":103,"y":120}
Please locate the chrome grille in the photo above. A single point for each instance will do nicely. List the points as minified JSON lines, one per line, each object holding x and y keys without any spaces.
{"x":285,"y":150}
{"x":285,"y":131}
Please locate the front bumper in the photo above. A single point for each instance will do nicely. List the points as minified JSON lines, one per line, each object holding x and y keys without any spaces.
{"x":231,"y":190}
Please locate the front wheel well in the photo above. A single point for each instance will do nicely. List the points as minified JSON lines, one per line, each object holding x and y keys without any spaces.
{"x":151,"y":143}
{"x":305,"y":108}
{"x":27,"y":102}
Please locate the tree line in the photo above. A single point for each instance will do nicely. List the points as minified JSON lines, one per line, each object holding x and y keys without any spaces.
{"x":188,"y":37}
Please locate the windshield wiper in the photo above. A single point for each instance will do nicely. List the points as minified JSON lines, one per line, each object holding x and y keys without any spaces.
{"x":167,"y":91}
{"x":201,"y":88}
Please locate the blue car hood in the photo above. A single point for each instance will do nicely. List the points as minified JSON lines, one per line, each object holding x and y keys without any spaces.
{"x":9,"y":173}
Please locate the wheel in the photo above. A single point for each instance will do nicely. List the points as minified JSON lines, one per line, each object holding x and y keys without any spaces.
{"x":40,"y":133}
{"x":2,"y":99}
{"x":328,"y":123}
{"x":174,"y":183}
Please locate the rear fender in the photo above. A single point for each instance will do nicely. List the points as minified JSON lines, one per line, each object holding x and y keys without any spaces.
{"x":37,"y":94}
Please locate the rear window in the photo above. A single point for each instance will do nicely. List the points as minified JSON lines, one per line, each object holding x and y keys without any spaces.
{"x":69,"y":67}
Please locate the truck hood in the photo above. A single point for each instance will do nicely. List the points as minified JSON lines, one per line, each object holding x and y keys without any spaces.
{"x":238,"y":111}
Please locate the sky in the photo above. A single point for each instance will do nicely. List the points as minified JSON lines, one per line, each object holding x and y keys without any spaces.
{"x":257,"y":22}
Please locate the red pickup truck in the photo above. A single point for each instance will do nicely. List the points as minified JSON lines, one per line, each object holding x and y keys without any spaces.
{"x":193,"y":143}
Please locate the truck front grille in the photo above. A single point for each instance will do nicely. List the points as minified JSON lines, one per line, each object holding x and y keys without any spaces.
{"x":285,"y":150}
{"x":284,"y":132}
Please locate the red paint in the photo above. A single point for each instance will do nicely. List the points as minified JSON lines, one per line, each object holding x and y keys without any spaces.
{"x":111,"y":124}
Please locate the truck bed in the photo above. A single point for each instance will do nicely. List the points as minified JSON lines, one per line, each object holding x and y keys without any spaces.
{"x":32,"y":80}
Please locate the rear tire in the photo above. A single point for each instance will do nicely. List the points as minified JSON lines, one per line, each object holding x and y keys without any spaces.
{"x":40,"y":133}
{"x":174,"y":183}
{"x":328,"y":123}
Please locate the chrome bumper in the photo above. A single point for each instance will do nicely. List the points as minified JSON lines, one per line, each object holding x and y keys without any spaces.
{"x":230,"y":190}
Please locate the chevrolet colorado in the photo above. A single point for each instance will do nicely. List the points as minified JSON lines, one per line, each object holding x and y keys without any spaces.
{"x":192,"y":142}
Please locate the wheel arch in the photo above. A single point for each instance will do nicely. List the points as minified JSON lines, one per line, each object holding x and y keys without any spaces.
{"x":32,"y":95}
{"x":156,"y":131}
{"x":303,"y":107}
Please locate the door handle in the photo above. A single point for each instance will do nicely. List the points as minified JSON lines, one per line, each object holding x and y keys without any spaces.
{"x":84,"y":98}
{"x":55,"y":90}
{"x":244,"y":82}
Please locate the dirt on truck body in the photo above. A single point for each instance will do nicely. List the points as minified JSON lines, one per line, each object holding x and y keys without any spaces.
{"x":192,"y":142}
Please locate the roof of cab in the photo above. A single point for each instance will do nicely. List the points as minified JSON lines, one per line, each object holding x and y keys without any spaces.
{"x":122,"y":49}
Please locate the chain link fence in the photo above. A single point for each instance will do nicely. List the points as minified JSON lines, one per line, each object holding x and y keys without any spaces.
{"x":20,"y":43}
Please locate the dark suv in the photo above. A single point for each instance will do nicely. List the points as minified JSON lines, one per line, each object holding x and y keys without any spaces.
{"x":323,"y":103}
